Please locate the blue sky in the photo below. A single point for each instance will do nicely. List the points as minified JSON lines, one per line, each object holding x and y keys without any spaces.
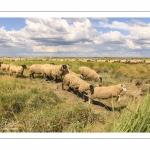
{"x":12,"y":23}
{"x":75,"y":37}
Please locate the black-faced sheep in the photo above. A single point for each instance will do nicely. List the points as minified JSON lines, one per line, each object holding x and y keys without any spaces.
{"x":54,"y":71}
{"x":76,"y":83}
{"x":35,"y":69}
{"x":17,"y":69}
{"x":107,"y":92}
{"x":89,"y":73}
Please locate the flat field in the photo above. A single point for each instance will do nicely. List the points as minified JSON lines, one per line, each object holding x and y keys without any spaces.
{"x":36,"y":105}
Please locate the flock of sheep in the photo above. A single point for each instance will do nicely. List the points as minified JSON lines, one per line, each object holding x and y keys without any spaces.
{"x":70,"y":79}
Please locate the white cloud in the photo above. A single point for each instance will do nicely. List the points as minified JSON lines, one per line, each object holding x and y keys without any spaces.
{"x":76,"y":35}
{"x":115,"y":25}
{"x":100,"y":19}
{"x":131,"y":45}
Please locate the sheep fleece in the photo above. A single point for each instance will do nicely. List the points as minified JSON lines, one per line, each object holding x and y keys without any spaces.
{"x":88,"y":73}
{"x":106,"y":92}
{"x":76,"y":83}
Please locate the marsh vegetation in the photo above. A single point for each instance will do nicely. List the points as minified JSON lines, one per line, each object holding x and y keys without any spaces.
{"x":36,"y":105}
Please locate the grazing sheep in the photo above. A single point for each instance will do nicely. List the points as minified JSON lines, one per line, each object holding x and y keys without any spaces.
{"x":17,"y":69}
{"x":54,"y":71}
{"x":76,"y":83}
{"x":35,"y":69}
{"x":107,"y":92}
{"x":89,"y":73}
{"x":147,"y":61}
{"x":78,"y":75}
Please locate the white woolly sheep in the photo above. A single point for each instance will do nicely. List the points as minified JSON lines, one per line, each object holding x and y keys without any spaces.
{"x":17,"y":69}
{"x":76,"y":83}
{"x":54,"y":71}
{"x":107,"y":92}
{"x":4,"y":66}
{"x":35,"y":69}
{"x":78,"y":75}
{"x":89,"y":73}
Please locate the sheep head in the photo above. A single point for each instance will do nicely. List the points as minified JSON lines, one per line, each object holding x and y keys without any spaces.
{"x":24,"y":66}
{"x":64,"y":69}
{"x":123,"y":87}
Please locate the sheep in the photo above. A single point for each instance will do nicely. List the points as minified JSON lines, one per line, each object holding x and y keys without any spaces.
{"x":89,"y":73}
{"x":147,"y":61}
{"x":78,"y":75}
{"x":54,"y":71}
{"x":35,"y":69}
{"x":107,"y":92}
{"x":4,"y":66}
{"x":17,"y":69}
{"x":76,"y":83}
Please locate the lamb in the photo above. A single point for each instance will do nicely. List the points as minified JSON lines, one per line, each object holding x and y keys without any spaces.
{"x":107,"y":92}
{"x":17,"y":69}
{"x":89,"y":73}
{"x":54,"y":71}
{"x":77,"y":83}
{"x":35,"y":69}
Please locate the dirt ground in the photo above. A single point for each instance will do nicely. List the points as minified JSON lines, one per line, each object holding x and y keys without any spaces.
{"x":129,"y":99}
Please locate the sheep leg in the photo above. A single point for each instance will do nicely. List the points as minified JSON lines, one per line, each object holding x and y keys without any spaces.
{"x":11,"y":73}
{"x":77,"y":94}
{"x":89,"y":100}
{"x":118,"y":98}
{"x":56,"y":79}
{"x":32,"y":75}
{"x":46,"y":78}
{"x":84,"y":97}
{"x":62,"y":86}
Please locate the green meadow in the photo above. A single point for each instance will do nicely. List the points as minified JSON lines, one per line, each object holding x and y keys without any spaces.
{"x":36,"y":105}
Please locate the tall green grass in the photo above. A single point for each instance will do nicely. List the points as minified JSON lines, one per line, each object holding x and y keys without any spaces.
{"x":135,"y":121}
{"x":37,"y":108}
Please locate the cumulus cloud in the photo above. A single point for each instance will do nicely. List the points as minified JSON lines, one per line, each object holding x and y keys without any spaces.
{"x":76,"y":36}
{"x":100,"y":19}
{"x":139,"y":33}
{"x":135,"y":22}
